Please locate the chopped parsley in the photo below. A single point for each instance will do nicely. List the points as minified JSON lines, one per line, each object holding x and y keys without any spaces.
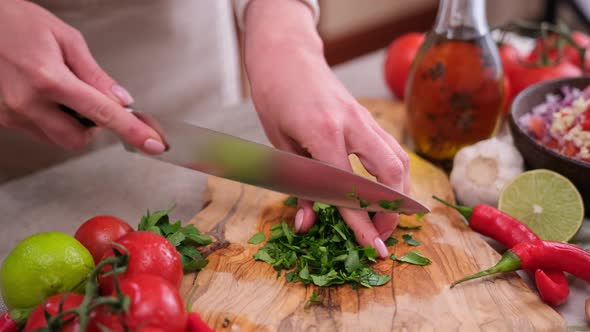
{"x":391,"y":241}
{"x":325,"y":255}
{"x":391,"y":205}
{"x":412,"y":257}
{"x":409,"y":239}
{"x":257,"y":238}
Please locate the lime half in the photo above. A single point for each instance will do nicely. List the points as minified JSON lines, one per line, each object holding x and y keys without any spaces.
{"x":545,"y":201}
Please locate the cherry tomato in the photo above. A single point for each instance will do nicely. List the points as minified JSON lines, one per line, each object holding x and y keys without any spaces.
{"x":398,"y":61}
{"x":552,"y":43}
{"x":510,"y":58}
{"x":155,"y":303}
{"x":573,"y":56}
{"x":528,"y":74}
{"x":196,"y":324}
{"x":98,"y":233}
{"x":37,"y":318}
{"x":148,"y":253}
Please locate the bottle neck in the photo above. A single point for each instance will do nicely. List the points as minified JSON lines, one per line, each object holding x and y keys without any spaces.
{"x":461,"y":19}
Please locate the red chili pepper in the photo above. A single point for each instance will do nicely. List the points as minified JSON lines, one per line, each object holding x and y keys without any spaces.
{"x":7,"y":324}
{"x":540,"y":254}
{"x":509,"y":231}
{"x":196,"y":324}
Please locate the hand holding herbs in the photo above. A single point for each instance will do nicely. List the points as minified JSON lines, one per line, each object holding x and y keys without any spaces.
{"x":327,"y":254}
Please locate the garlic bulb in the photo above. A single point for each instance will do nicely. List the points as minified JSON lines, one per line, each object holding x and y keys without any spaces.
{"x":481,"y":171}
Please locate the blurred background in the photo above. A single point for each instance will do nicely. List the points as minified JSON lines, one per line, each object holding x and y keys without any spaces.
{"x":351,"y":28}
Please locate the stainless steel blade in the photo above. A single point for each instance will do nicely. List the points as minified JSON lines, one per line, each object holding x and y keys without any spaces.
{"x":229,"y":157}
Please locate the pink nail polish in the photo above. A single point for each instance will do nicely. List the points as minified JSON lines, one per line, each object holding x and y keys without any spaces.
{"x":298,"y":220}
{"x":152,"y":146}
{"x":381,"y":247}
{"x":122,"y":94}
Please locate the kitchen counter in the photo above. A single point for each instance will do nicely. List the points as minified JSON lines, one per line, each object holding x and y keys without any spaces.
{"x":112,"y":181}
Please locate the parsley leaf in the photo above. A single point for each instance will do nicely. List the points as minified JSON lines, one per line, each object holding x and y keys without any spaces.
{"x":412,"y":257}
{"x":184,"y":238}
{"x":391,"y":241}
{"x":407,"y":227}
{"x":421,"y":215}
{"x":391,"y":205}
{"x":408,"y":238}
{"x":291,"y":201}
{"x":257,"y":238}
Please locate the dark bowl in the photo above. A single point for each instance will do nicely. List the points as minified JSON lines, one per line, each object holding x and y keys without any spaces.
{"x":538,"y":156}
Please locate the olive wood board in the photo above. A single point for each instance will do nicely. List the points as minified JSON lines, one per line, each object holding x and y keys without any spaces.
{"x":236,"y":293}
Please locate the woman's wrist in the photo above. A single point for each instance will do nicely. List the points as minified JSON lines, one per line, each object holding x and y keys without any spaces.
{"x":279,"y":33}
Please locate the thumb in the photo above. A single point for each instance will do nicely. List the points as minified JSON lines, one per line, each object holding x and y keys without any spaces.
{"x":78,"y":58}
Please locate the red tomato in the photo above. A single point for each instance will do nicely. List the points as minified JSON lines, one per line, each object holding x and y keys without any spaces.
{"x":155,"y":303}
{"x":398,"y":61}
{"x":196,"y":324}
{"x":510,"y":58}
{"x":507,"y":94}
{"x":37,"y":318}
{"x":526,"y":75}
{"x":98,"y":233}
{"x":148,"y":253}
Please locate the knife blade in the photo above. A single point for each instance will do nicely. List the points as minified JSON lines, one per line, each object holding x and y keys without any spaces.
{"x":233,"y":158}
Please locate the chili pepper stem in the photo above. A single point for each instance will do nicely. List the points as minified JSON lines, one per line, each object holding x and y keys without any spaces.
{"x":508,"y":263}
{"x":463,"y":210}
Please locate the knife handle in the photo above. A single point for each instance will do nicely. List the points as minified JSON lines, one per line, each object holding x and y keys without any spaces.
{"x":83,"y":121}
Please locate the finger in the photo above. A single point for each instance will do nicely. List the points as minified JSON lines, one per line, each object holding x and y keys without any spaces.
{"x":381,"y":160}
{"x":81,"y":62}
{"x":59,"y":127}
{"x":385,"y":223}
{"x":332,"y":150}
{"x":305,"y":216}
{"x":399,"y":152}
{"x":65,"y":88}
{"x":376,"y":156}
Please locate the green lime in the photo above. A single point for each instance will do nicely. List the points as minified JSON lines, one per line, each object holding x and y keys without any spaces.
{"x":545,"y":201}
{"x":42,"y":265}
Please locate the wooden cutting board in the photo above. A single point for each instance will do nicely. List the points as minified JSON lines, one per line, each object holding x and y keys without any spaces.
{"x":236,"y":293}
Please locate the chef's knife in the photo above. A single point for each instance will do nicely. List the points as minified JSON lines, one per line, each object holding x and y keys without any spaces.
{"x":233,"y":158}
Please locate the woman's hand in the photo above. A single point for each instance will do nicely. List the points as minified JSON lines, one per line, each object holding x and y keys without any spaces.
{"x":45,"y":63}
{"x":306,"y":110}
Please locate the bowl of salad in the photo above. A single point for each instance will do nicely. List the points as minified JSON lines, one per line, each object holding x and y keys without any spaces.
{"x":550,"y":124}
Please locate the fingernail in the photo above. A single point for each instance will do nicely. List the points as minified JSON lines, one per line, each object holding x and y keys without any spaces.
{"x":298,"y":220}
{"x":122,"y":94}
{"x":381,"y":247}
{"x":152,"y":146}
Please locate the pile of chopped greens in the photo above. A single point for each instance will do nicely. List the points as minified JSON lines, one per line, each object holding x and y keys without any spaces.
{"x":328,"y":253}
{"x":325,"y":255}
{"x":184,"y":238}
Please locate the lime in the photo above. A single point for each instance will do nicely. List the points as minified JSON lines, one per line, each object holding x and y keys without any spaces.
{"x":42,"y":265}
{"x":545,"y":201}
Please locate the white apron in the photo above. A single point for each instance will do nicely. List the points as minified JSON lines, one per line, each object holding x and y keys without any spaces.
{"x":174,"y":56}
